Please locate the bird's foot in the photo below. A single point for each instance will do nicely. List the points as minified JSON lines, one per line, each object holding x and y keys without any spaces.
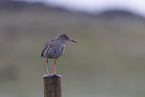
{"x":47,"y":73}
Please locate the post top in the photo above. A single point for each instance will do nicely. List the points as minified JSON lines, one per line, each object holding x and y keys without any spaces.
{"x":52,"y":75}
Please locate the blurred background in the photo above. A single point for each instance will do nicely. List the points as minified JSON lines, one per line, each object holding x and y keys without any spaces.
{"x":107,"y":61}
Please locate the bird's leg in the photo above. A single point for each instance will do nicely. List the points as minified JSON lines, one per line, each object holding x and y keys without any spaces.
{"x":55,"y":66}
{"x":47,"y":66}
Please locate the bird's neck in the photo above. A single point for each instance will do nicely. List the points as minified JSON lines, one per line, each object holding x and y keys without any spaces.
{"x":63,"y":41}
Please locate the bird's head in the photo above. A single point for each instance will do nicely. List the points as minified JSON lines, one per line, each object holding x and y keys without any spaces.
{"x":66,"y":38}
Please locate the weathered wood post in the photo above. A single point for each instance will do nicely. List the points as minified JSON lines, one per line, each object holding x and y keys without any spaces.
{"x":52,"y":85}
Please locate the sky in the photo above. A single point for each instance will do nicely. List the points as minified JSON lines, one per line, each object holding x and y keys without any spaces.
{"x":91,"y":6}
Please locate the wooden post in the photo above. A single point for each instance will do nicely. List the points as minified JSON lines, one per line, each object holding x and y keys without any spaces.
{"x":52,"y":85}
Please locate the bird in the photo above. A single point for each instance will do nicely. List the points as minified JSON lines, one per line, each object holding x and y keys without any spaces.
{"x":54,"y":48}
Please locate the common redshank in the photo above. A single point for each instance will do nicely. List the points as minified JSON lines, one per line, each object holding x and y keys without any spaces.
{"x":54,"y":48}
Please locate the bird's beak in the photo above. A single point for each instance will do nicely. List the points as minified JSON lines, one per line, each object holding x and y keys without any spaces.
{"x":71,"y":40}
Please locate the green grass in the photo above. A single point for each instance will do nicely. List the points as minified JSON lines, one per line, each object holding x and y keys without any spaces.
{"x":107,"y":61}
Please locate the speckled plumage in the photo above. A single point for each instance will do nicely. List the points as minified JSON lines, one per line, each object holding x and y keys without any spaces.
{"x":54,"y":48}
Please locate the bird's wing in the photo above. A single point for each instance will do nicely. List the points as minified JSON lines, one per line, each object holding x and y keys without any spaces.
{"x":47,"y":44}
{"x":43,"y":50}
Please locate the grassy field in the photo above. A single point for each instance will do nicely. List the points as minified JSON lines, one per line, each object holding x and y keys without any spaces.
{"x":107,"y":61}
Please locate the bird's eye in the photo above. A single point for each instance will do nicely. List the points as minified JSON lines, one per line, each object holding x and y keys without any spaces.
{"x":66,"y":37}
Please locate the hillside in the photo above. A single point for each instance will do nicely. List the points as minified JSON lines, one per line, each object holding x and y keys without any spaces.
{"x":29,"y":6}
